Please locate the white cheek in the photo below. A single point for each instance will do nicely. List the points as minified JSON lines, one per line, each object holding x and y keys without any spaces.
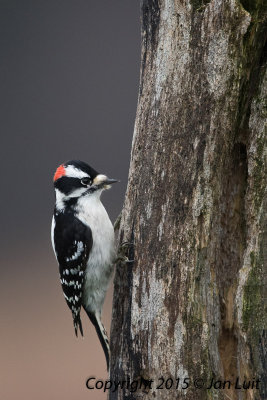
{"x":76,"y":193}
{"x":59,"y":199}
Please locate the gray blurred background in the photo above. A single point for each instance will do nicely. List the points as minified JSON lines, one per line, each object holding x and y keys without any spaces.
{"x":69,"y":72}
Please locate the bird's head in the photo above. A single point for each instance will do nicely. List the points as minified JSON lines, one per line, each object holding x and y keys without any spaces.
{"x":75,"y":179}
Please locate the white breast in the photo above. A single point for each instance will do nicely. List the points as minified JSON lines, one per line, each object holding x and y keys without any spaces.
{"x":100,"y":263}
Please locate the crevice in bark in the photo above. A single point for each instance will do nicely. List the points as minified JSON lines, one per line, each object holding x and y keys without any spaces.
{"x":150,"y":12}
{"x":252,"y":6}
{"x":228,"y":351}
{"x":232,"y":224}
{"x":263,"y":58}
{"x":151,"y":16}
{"x":232,"y":243}
{"x":199,"y":5}
{"x":254,"y":58}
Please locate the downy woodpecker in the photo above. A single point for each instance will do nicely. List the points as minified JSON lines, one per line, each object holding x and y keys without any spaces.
{"x":83,"y":241}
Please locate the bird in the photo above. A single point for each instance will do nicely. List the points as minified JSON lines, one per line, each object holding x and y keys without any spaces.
{"x":83,"y":241}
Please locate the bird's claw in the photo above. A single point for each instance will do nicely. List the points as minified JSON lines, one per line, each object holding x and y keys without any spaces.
{"x":125,"y":244}
{"x":123,"y":260}
{"x":122,"y":257}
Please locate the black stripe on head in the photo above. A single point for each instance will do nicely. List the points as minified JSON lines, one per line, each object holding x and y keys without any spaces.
{"x":83,"y":167}
{"x":67,"y":184}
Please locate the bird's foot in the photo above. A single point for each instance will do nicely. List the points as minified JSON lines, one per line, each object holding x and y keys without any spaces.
{"x":121,"y":255}
{"x":123,"y":260}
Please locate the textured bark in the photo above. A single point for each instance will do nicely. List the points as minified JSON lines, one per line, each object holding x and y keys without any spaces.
{"x":193,"y":302}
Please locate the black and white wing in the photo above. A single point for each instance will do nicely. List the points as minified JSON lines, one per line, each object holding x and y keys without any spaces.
{"x":72,"y":244}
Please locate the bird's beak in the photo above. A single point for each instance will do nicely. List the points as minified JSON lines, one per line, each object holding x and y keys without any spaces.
{"x":110,"y":181}
{"x":103,"y":181}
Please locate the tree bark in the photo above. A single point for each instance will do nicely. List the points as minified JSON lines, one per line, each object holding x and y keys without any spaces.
{"x":193,"y":302}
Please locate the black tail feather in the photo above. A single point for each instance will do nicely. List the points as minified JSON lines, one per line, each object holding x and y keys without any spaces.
{"x":101,"y":333}
{"x":77,"y":324}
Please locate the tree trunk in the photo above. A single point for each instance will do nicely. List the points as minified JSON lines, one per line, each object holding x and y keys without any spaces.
{"x":193,"y":302}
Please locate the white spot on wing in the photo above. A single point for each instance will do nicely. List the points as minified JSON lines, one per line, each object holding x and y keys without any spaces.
{"x":73,"y":271}
{"x":78,"y":252}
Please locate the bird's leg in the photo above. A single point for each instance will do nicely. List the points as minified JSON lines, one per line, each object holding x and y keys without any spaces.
{"x":121,"y":254}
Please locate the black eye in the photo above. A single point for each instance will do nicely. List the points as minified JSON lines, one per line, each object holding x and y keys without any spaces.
{"x":85,"y":181}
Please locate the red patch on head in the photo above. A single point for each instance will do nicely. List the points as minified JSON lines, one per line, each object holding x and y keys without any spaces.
{"x":59,"y":172}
